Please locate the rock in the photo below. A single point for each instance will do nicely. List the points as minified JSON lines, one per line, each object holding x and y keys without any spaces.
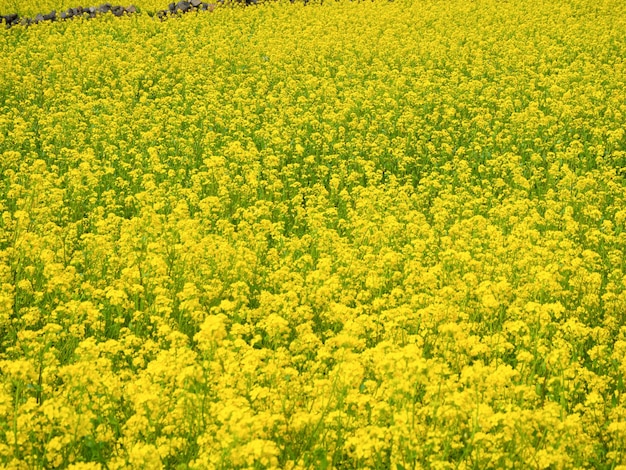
{"x":11,"y":18}
{"x":172,"y":7}
{"x":195,"y":3}
{"x":162,"y":14}
{"x":118,"y":10}
{"x":203,"y":6}
{"x":183,"y":6}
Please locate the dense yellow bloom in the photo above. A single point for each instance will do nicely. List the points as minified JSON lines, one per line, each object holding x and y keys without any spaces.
{"x":340,"y":235}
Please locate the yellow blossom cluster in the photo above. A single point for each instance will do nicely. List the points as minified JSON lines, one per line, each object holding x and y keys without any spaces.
{"x":336,"y":235}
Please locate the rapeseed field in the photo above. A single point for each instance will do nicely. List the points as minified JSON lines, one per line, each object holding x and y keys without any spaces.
{"x":382,"y":235}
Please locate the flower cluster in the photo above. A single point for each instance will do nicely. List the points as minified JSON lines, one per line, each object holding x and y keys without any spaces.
{"x":347,"y":235}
